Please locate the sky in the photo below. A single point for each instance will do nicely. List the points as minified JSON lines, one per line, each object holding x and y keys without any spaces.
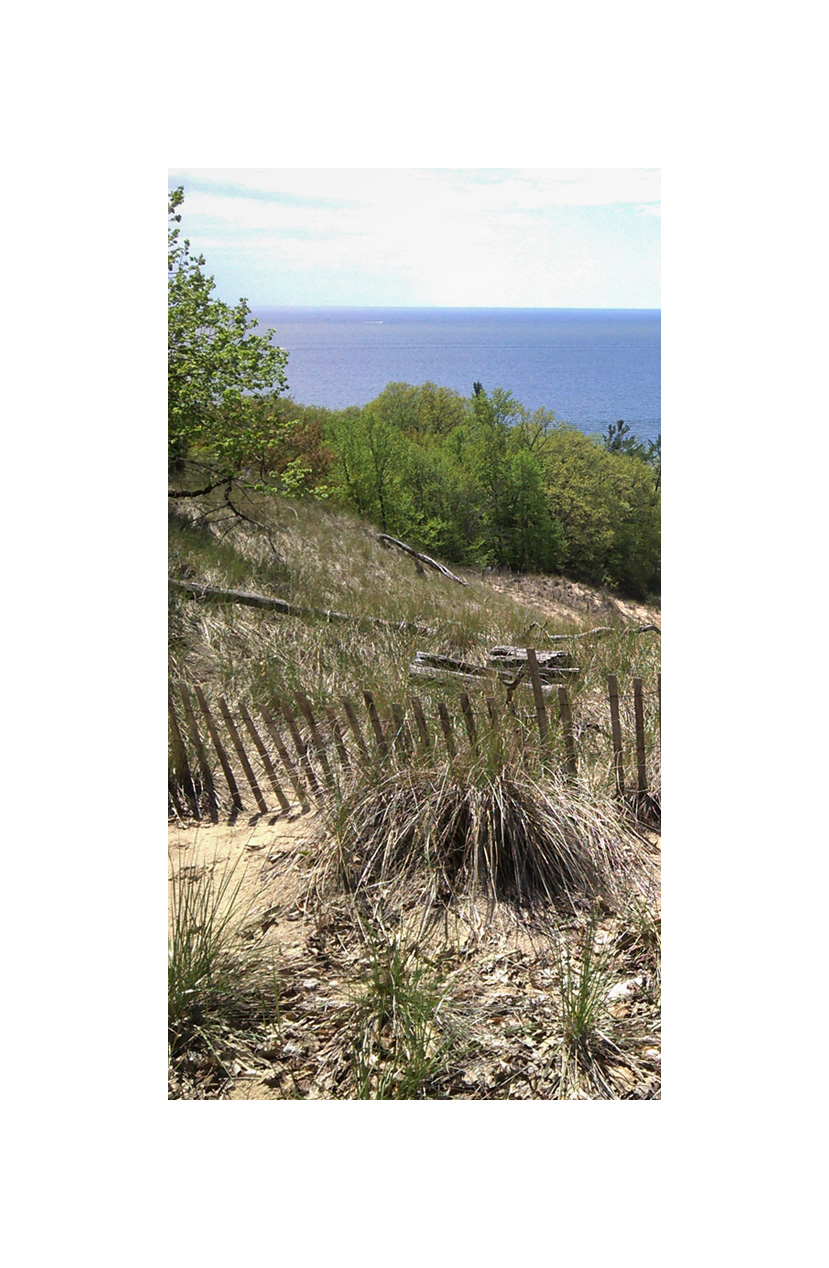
{"x":427,"y":237}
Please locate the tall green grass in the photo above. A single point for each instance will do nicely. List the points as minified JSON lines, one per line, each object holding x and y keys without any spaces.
{"x":398,"y":1049}
{"x":215,"y":986}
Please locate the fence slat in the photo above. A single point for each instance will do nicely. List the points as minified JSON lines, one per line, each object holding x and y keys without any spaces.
{"x":180,"y":763}
{"x":402,"y":736}
{"x":354,"y":723}
{"x":334,"y":723}
{"x":406,"y":730}
{"x":284,"y":756}
{"x":422,"y":726}
{"x":616,"y":733}
{"x":382,"y":744}
{"x":242,"y":755}
{"x":266,"y":758}
{"x":469,"y":719}
{"x":316,"y":738}
{"x":567,"y":726}
{"x":300,"y":746}
{"x":174,"y":807}
{"x":639,"y":717}
{"x":446,"y":727}
{"x":221,"y":753}
{"x":538,"y":694}
{"x":204,"y":765}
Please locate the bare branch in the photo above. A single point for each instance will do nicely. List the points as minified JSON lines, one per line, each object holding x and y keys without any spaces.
{"x":386,"y":540}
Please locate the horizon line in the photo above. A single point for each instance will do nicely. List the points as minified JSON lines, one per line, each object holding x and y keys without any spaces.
{"x":542,"y":308}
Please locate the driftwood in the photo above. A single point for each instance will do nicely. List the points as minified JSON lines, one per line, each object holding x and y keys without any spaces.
{"x":385,"y":540}
{"x":605,"y":629}
{"x":507,"y":663}
{"x":516,"y":657}
{"x":438,"y":661}
{"x":511,"y":664}
{"x":443,"y":668}
{"x":198,"y":591}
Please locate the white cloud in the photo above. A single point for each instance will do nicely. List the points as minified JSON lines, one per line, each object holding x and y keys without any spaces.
{"x":450,"y":236}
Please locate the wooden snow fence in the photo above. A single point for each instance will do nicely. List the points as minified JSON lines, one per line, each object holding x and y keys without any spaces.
{"x":291,"y":754}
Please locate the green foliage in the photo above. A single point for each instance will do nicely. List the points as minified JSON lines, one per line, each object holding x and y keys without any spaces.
{"x":397,"y":1050}
{"x":607,"y":507}
{"x":216,"y":366}
{"x":584,"y":981}
{"x":618,"y":439}
{"x":485,"y":481}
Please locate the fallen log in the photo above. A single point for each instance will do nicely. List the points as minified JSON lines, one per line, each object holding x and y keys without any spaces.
{"x":509,"y":664}
{"x":385,"y":540}
{"x":605,"y":629}
{"x":417,"y":670}
{"x":446,"y":668}
{"x":198,"y":591}
{"x":516,"y":657}
{"x":440,"y":661}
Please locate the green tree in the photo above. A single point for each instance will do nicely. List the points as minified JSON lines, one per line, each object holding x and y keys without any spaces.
{"x":216,"y":367}
{"x":608,"y":510}
{"x":620,"y":439}
{"x":370,"y":466}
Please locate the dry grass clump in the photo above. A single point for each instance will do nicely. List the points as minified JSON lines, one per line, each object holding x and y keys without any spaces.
{"x":217,"y":990}
{"x":506,"y":835}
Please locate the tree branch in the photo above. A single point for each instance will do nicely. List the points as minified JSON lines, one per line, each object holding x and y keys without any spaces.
{"x":195,"y":590}
{"x":385,"y":540}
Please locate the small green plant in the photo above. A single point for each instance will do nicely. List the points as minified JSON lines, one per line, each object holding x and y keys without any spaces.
{"x":584,"y":981}
{"x":583,"y":985}
{"x":397,"y":1049}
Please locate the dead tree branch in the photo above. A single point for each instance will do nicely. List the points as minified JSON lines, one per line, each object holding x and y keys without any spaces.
{"x":606,"y":629}
{"x":195,"y":590}
{"x":385,"y":540}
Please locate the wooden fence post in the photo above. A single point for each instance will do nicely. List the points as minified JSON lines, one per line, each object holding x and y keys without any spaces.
{"x":354,"y":723}
{"x":639,"y":716}
{"x":469,"y":719}
{"x":616,"y":733}
{"x":235,"y":796}
{"x":420,"y":719}
{"x":402,"y":736}
{"x":446,"y":727}
{"x":284,"y":756}
{"x":204,"y":765}
{"x":538,"y":694}
{"x":301,"y":747}
{"x":339,"y":742}
{"x":242,"y":755}
{"x":316,"y":738}
{"x":266,"y":759}
{"x":377,"y":726}
{"x":567,"y":725}
{"x":180,"y":763}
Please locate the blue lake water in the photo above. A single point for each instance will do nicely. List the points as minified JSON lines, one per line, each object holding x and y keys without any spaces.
{"x":590,"y":366}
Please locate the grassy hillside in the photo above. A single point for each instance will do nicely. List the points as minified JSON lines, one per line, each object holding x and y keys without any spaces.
{"x":318,"y":557}
{"x":480,"y":928}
